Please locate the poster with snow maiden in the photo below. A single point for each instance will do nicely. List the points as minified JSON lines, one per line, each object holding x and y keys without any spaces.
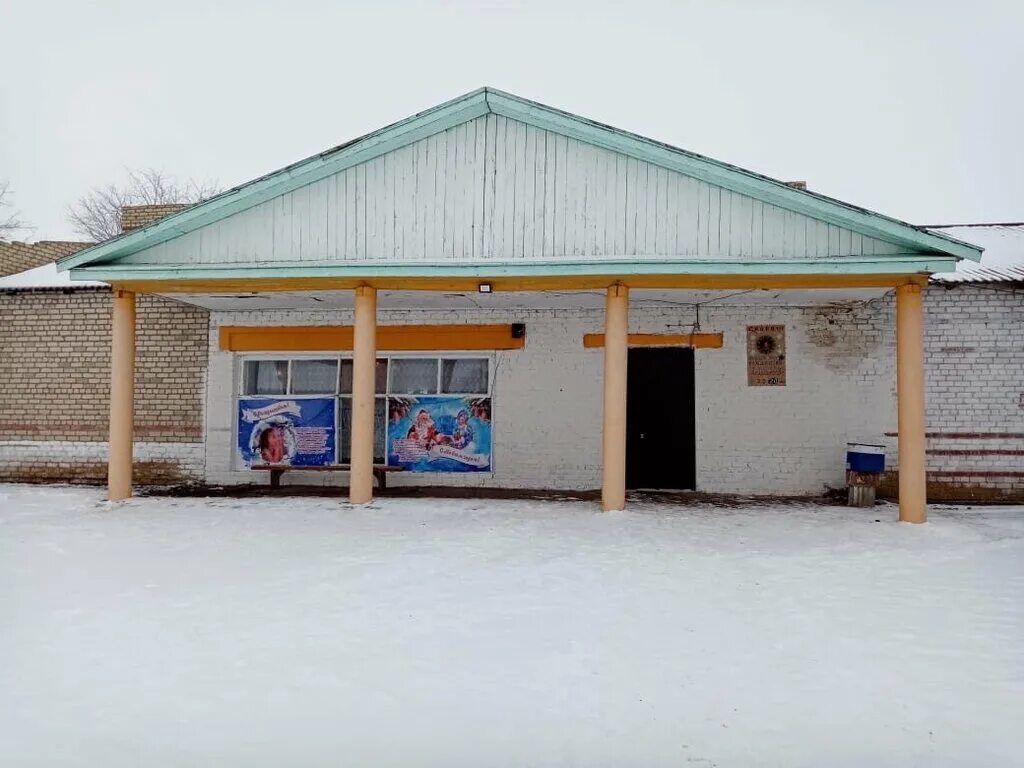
{"x":291,"y":432}
{"x":440,"y":434}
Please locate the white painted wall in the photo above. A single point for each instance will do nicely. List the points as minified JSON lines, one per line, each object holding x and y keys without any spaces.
{"x":974,"y":337}
{"x":547,"y":396}
{"x":840,"y":387}
{"x":68,"y":454}
{"x":498,"y":189}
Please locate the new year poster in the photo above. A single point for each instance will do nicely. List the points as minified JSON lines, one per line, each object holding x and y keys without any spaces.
{"x":440,"y":434}
{"x":296,"y":432}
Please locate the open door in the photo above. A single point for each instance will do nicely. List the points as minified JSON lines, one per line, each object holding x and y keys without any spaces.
{"x":661,"y":443}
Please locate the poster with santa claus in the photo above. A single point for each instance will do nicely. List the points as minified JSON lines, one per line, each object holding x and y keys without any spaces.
{"x":440,"y":434}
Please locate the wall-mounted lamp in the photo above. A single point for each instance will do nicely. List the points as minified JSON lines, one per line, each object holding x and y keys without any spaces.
{"x":484,"y":288}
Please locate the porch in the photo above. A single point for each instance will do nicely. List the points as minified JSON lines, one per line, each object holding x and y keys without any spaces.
{"x":571,"y":328}
{"x":494,"y":194}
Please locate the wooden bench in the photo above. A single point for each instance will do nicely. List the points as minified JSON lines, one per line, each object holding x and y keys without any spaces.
{"x":380,"y":471}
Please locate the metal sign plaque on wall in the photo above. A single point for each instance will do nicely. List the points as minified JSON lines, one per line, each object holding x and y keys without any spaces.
{"x":766,"y":355}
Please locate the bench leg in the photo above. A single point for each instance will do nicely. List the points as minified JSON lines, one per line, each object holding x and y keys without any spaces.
{"x":382,"y":479}
{"x":275,"y":478}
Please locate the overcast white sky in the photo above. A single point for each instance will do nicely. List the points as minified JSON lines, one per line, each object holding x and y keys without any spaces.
{"x":914,"y":109}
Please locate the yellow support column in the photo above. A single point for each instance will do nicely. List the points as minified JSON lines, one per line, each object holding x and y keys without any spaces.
{"x":910,"y":397}
{"x":122,"y":397}
{"x":616,"y":351}
{"x":364,"y":362}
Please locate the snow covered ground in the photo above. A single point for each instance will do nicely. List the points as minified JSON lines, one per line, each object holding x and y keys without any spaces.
{"x":288,"y":631}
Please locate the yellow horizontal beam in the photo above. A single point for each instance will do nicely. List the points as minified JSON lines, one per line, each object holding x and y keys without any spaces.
{"x":522,"y":284}
{"x":695,"y":340}
{"x":390,"y":338}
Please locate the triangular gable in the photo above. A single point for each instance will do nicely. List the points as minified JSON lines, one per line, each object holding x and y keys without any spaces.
{"x":476,"y":137}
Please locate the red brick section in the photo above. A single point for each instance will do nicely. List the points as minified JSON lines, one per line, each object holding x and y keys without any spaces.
{"x":973,"y":473}
{"x":975,"y":452}
{"x":18,"y":257}
{"x":55,"y":366}
{"x":970,"y":435}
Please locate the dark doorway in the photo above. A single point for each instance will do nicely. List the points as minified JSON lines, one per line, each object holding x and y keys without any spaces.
{"x":661,"y":443}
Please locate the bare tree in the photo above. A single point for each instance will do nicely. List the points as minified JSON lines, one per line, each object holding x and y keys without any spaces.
{"x":10,"y":220}
{"x":97,"y":215}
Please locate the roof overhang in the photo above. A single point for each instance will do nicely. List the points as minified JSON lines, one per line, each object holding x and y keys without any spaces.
{"x":508,"y":276}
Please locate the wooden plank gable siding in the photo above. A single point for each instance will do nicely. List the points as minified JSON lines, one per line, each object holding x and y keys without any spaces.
{"x":498,"y":189}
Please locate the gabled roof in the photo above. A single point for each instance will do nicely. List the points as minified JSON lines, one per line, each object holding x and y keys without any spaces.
{"x":490,"y":101}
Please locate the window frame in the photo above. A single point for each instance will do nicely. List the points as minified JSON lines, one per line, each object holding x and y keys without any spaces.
{"x":440,"y":376}
{"x":291,"y":368}
{"x":268,"y":359}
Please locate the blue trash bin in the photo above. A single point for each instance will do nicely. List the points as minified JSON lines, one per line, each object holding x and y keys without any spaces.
{"x":865,"y":457}
{"x":865,"y":465}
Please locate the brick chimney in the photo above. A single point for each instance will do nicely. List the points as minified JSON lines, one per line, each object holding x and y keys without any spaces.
{"x":138,"y":216}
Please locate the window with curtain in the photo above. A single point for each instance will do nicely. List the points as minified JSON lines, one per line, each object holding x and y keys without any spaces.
{"x":464,"y":376}
{"x":265,"y":377}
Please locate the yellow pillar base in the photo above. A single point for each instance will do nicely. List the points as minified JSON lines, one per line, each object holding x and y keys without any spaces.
{"x":616,"y":352}
{"x":364,"y":362}
{"x":910,"y":388}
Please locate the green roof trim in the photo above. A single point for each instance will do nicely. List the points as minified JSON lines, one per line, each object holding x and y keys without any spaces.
{"x":888,"y":265}
{"x":488,"y":100}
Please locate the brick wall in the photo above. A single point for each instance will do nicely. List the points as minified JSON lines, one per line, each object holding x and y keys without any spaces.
{"x":55,"y":379}
{"x":137,"y":216}
{"x":974,"y":341}
{"x":841,"y":386}
{"x":548,"y":396}
{"x":17,"y":257}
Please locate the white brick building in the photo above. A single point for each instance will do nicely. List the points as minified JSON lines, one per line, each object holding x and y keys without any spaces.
{"x":974,"y":342}
{"x":504,"y":261}
{"x":547,"y":395}
{"x":840,"y":368}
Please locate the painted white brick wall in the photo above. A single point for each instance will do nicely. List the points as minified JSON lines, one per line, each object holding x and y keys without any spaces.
{"x":840,"y":387}
{"x":974,"y":337}
{"x":547,"y":396}
{"x":189,"y":457}
{"x":975,"y":342}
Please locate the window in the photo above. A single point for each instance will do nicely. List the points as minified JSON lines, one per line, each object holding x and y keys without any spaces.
{"x":462,"y":376}
{"x":314,"y":377}
{"x":380,"y":410}
{"x":380,"y":376}
{"x":413,"y":376}
{"x":265,"y":377}
{"x":380,"y":429}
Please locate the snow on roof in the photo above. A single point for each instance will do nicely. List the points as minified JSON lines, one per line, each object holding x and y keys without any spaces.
{"x":1003,"y":260}
{"x":967,"y":272}
{"x":45,"y":276}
